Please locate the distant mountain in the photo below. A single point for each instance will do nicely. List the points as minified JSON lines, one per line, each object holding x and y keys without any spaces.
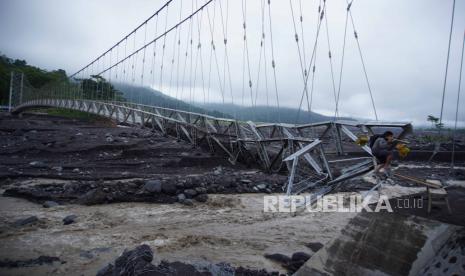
{"x":149,"y":96}
{"x":146,"y":95}
{"x":267,"y":114}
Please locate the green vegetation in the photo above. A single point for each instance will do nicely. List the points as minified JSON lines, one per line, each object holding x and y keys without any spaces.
{"x":37,"y":77}
{"x":98,"y":88}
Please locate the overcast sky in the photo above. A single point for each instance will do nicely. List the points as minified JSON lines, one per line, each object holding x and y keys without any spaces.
{"x":404,"y":44}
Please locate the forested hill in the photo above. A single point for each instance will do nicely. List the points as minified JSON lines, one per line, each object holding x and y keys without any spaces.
{"x":37,"y":77}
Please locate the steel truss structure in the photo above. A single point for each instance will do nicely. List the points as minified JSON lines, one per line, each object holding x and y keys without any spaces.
{"x":315,"y":155}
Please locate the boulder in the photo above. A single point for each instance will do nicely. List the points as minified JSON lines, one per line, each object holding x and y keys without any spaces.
{"x":201,"y":198}
{"x":190,"y":193}
{"x":314,"y":246}
{"x":131,"y":263}
{"x":261,"y":186}
{"x":69,"y":219}
{"x":153,"y":186}
{"x":168,"y":188}
{"x":181,"y":197}
{"x":188,"y":202}
{"x":26,"y":221}
{"x":279,"y":258}
{"x":300,"y":257}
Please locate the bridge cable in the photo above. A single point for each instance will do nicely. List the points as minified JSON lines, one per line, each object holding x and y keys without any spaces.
{"x":312,"y":59}
{"x":302,"y":60}
{"x":154,"y":58}
{"x":163,"y":50}
{"x":336,"y":111}
{"x":176,"y":42}
{"x":160,"y":36}
{"x":363,"y":61}
{"x":447,"y":64}
{"x":212,"y":29}
{"x":273,"y":62}
{"x":244,"y":16}
{"x":457,"y":106}
{"x":143,"y":65}
{"x":132,"y":32}
{"x":212,"y":49}
{"x":330,"y":56}
{"x":226,"y":67}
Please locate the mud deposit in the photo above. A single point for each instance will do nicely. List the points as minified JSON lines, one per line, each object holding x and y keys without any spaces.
{"x":76,"y":195}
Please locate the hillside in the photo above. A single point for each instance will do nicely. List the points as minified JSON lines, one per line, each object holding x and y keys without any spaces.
{"x":267,"y":114}
{"x":37,"y":77}
{"x":146,"y":95}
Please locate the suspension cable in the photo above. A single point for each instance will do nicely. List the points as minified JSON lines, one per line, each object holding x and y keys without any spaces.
{"x":457,"y":105}
{"x":336,"y":111}
{"x":273,"y":62}
{"x":132,"y":32}
{"x":161,"y":36}
{"x":362,"y":60}
{"x":447,"y":64}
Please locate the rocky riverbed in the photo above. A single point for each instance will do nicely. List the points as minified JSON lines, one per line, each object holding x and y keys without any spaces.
{"x":77,"y":194}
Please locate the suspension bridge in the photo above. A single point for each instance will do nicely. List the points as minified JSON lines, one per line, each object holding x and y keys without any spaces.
{"x":185,"y":50}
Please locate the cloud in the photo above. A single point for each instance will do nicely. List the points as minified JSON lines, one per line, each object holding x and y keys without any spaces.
{"x":404,"y":45}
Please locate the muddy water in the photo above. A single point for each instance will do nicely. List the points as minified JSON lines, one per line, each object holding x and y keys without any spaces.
{"x":230,"y":229}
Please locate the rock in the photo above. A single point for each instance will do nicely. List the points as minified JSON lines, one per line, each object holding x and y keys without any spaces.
{"x":300,"y":257}
{"x":76,"y":170}
{"x":131,"y":263}
{"x":50,"y":204}
{"x":246,"y":181}
{"x":26,"y":221}
{"x":110,"y":139}
{"x":86,"y":254}
{"x":201,"y":190}
{"x":58,"y":168}
{"x":152,"y":186}
{"x":168,"y":188}
{"x":218,"y":170}
{"x":92,"y":197}
{"x":37,"y":164}
{"x":30,"y":262}
{"x":181,"y":197}
{"x":314,"y":246}
{"x":261,"y":186}
{"x":201,"y":198}
{"x":277,"y":257}
{"x":69,"y":219}
{"x":190,"y":193}
{"x":188,"y":202}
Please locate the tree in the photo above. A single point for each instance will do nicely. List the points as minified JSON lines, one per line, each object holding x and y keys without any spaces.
{"x":434,"y":120}
{"x":98,"y":88}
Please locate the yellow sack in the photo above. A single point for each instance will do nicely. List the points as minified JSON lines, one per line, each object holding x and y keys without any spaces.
{"x":403,"y":150}
{"x":362,"y":140}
